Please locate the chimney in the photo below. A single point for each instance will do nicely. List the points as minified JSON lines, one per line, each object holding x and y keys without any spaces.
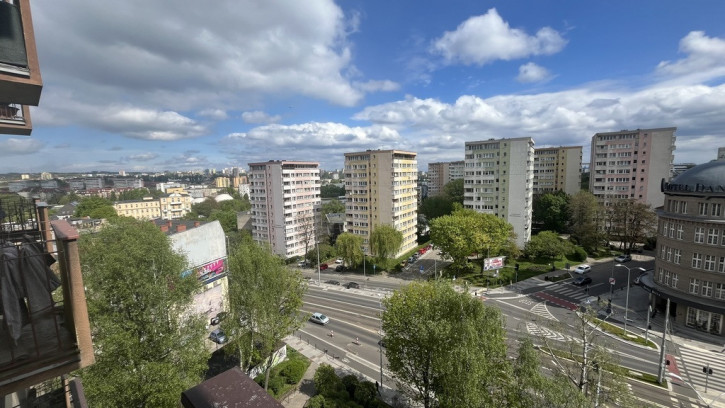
{"x":196,"y":224}
{"x":180,"y":228}
{"x":164,"y":228}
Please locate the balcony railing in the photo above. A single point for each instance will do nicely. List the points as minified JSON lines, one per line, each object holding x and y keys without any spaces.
{"x":46,"y":331}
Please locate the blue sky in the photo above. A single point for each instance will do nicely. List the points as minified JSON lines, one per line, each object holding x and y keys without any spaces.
{"x":184,"y":85}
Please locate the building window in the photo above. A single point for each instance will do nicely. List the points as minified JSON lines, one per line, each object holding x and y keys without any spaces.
{"x":672,"y":230}
{"x":720,"y":291}
{"x":663,"y":249}
{"x":716,"y":208}
{"x":678,"y":255}
{"x":675,"y":279}
{"x":702,"y":208}
{"x":697,"y":260}
{"x":669,"y":254}
{"x":683,"y":207}
{"x":694,"y":285}
{"x":721,"y":265}
{"x":699,"y":235}
{"x":712,"y":236}
{"x":660,"y":276}
{"x":710,"y":262}
{"x":680,"y":231}
{"x":706,"y":289}
{"x":667,"y":278}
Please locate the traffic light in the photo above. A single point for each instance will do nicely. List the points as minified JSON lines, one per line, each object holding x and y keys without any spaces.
{"x":707,"y":370}
{"x":516,"y":267}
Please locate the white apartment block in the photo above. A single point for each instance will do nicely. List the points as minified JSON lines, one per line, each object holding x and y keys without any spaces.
{"x":381,"y":189}
{"x":557,"y":169}
{"x":440,"y":174}
{"x":498,"y":180}
{"x":631,"y":164}
{"x":285,"y":196}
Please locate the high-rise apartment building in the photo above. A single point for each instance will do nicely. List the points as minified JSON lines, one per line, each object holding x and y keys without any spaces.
{"x":440,"y":174}
{"x":630,"y":164}
{"x":557,"y":169}
{"x":285,"y":196}
{"x":498,"y":179}
{"x":381,"y":189}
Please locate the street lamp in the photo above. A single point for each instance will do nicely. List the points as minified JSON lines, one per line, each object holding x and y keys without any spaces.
{"x":363,"y":251}
{"x":626,"y":302}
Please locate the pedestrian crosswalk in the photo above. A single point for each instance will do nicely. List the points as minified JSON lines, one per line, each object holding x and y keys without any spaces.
{"x":695,"y":360}
{"x":570,"y":291}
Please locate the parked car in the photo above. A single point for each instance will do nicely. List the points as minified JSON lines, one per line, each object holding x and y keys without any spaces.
{"x":582,"y":280}
{"x":623,"y":258}
{"x":339,"y":268}
{"x":338,"y":260}
{"x":302,"y":264}
{"x":218,"y":336}
{"x":352,"y":285}
{"x":324,"y":266}
{"x":582,"y":269}
{"x":332,"y":282}
{"x":319,"y":318}
{"x":218,"y":318}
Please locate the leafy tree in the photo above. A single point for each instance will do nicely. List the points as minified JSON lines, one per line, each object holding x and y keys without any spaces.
{"x":95,"y":207}
{"x":447,"y":347}
{"x":228,"y":219}
{"x":629,"y":223}
{"x":546,"y":244}
{"x":265,"y":298}
{"x":69,"y":198}
{"x":454,"y":190}
{"x":550,"y":211}
{"x":327,"y":383}
{"x":584,"y":220}
{"x":385,"y":242}
{"x":135,"y":194}
{"x":331,"y":191}
{"x":436,"y":206}
{"x":149,"y":348}
{"x":332,"y":207}
{"x":205,"y":207}
{"x":349,"y":247}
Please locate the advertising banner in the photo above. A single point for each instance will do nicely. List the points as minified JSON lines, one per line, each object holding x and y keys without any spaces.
{"x":490,"y":264}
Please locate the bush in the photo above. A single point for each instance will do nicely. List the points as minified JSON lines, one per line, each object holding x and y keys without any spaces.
{"x":293,"y":370}
{"x":365,"y":393}
{"x":326,"y":381}
{"x":276,"y":385}
{"x":578,"y":254}
{"x":318,"y":401}
{"x":351,"y":383}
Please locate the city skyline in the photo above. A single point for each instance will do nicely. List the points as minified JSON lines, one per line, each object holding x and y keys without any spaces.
{"x":145,"y":87}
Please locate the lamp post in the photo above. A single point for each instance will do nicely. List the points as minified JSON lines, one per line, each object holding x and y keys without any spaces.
{"x":363,"y":251}
{"x":626,"y":302}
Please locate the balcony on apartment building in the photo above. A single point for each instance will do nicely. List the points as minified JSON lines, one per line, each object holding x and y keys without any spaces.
{"x":44,"y":329}
{"x":20,"y":81}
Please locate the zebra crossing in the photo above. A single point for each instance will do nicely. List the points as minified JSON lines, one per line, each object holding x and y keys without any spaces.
{"x":570,"y":291}
{"x":694,"y":360}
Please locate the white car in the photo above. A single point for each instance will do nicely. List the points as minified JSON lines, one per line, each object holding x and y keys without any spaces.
{"x":582,"y":269}
{"x":623,"y":258}
{"x":319,"y":318}
{"x":338,"y":260}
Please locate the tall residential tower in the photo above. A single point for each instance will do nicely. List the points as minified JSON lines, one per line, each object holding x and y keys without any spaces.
{"x":557,"y":169}
{"x":440,"y":174}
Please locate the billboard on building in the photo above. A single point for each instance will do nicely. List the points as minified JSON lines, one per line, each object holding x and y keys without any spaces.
{"x":209,"y":272}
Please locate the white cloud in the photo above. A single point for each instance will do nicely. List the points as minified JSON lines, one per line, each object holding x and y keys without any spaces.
{"x":487,"y":38}
{"x":316,"y":135}
{"x":12,"y":146}
{"x":143,"y":156}
{"x":373,"y":86}
{"x":531,"y":72}
{"x":259,"y":117}
{"x":216,"y":114}
{"x":705,"y":59}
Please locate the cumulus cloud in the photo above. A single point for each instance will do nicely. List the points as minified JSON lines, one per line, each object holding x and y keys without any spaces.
{"x":487,"y":38}
{"x":315,"y":134}
{"x":374,"y":86}
{"x":217,"y":114}
{"x":704,"y":61}
{"x":259,"y":117}
{"x":531,"y":72}
{"x":12,"y":146}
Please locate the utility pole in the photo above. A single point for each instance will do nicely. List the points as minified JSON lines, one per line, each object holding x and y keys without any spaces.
{"x":661,"y":374}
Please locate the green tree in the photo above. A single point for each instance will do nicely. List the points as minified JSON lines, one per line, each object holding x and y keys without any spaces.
{"x":584,"y":214}
{"x":148,"y":347}
{"x":265,"y":298}
{"x":550,"y":212}
{"x":135,"y":194}
{"x":546,"y":244}
{"x":331,"y":191}
{"x":385,"y":242}
{"x":332,"y":207}
{"x":95,"y":207}
{"x":629,"y":223}
{"x":446,"y":345}
{"x":228,"y":219}
{"x":454,"y":190}
{"x":436,"y":206}
{"x":349,"y":247}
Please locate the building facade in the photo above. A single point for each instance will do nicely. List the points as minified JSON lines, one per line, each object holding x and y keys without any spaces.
{"x":175,"y":205}
{"x":285,"y":196}
{"x":440,"y":174}
{"x":557,"y":169}
{"x":690,"y":257}
{"x":498,"y":180}
{"x":381,"y":189}
{"x":128,"y":183}
{"x":630,"y":164}
{"x":146,"y":209}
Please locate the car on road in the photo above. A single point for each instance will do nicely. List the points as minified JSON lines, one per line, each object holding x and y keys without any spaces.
{"x":581,"y":269}
{"x":338,"y":260}
{"x":218,"y":318}
{"x":352,"y":285}
{"x":340,"y":268}
{"x":332,"y":282}
{"x":582,"y":280}
{"x":319,"y":318}
{"x":324,"y":266}
{"x":623,"y":258}
{"x":218,"y":336}
{"x":302,"y":264}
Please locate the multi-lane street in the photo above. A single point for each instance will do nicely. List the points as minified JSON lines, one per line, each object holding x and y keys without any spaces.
{"x":353,"y":333}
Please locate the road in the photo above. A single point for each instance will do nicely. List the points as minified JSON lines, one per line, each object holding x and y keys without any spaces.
{"x":354,"y":330}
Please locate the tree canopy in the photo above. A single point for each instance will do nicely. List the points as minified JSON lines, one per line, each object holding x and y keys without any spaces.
{"x":149,"y":348}
{"x":385,"y":242}
{"x":349,"y":247}
{"x":584,"y":214}
{"x":436,"y":206}
{"x":546,"y":244}
{"x":550,"y":212}
{"x":333,"y":206}
{"x":454,"y":190}
{"x":629,"y":223}
{"x":331,"y":191}
{"x":265,"y":298}
{"x":95,"y":207}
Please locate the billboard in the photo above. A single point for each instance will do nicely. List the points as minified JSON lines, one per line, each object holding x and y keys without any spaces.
{"x":208,"y":272}
{"x":490,"y":264}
